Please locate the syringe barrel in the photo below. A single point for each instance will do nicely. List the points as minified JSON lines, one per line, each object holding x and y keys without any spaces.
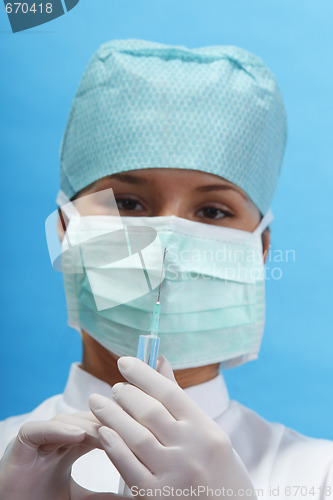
{"x":148,"y":349}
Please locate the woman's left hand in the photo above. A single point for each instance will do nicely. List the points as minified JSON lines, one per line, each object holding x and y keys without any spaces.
{"x":158,"y":438}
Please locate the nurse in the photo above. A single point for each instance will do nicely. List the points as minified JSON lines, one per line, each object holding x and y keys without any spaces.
{"x":191,"y":142}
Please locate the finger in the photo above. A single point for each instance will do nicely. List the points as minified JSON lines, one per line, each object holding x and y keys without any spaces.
{"x":83,"y":416}
{"x":140,"y":440}
{"x":86,"y":415}
{"x":129,"y":467}
{"x":86,"y":421}
{"x":35,"y":434}
{"x":164,"y":368}
{"x":32,"y":435}
{"x":177,"y":402}
{"x":147,"y":411}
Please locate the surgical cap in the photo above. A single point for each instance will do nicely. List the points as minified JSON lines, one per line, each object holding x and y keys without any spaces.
{"x":143,"y":105}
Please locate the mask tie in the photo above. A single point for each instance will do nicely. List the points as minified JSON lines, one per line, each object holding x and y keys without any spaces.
{"x":264,"y":223}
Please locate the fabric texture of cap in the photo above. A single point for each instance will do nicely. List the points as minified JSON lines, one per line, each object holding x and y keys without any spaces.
{"x":143,"y":105}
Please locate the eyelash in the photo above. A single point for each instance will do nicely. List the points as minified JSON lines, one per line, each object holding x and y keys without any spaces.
{"x":119,"y":200}
{"x":225,"y":213}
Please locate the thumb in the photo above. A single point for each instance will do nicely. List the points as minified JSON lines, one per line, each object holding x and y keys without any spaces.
{"x":48,"y":435}
{"x":164,"y":368}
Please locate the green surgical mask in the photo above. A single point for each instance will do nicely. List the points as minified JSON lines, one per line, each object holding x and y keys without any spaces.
{"x":212,"y":294}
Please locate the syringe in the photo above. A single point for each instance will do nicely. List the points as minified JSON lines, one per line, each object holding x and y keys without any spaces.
{"x":148,"y":344}
{"x":147,"y":351}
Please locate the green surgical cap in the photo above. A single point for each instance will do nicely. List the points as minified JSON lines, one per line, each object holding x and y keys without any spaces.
{"x":145,"y":105}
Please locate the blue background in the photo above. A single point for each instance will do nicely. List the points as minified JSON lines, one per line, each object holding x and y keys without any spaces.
{"x":40,"y":69}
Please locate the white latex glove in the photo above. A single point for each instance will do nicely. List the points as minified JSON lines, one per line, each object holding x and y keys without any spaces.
{"x":158,"y":438}
{"x":37,"y":463}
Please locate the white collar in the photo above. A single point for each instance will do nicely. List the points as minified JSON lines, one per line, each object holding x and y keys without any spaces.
{"x":80,"y":385}
{"x":212,"y":396}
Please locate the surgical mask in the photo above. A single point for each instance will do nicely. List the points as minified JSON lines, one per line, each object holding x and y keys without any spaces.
{"x":212,"y":294}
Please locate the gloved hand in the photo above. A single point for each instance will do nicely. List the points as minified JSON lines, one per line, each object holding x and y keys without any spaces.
{"x":157,"y":437}
{"x":37,"y":463}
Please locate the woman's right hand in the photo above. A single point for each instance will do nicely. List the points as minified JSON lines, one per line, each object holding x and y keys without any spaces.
{"x":37,"y":463}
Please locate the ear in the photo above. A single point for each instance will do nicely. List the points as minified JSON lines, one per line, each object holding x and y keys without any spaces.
{"x":62,"y":224}
{"x":266,"y":241}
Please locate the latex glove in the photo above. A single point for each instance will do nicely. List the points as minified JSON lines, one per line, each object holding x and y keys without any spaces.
{"x":158,"y":438}
{"x":37,"y":463}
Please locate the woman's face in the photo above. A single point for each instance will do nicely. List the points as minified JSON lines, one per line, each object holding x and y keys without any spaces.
{"x":189,"y":194}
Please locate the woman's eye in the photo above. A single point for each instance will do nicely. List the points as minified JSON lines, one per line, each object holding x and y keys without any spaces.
{"x":213,"y":213}
{"x":128,"y":204}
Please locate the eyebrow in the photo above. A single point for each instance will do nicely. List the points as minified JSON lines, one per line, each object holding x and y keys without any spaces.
{"x":220,"y":187}
{"x":133,"y":179}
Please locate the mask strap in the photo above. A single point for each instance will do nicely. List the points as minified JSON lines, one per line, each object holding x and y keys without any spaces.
{"x":264,"y":223}
{"x":62,"y":199}
{"x":66,"y":205}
